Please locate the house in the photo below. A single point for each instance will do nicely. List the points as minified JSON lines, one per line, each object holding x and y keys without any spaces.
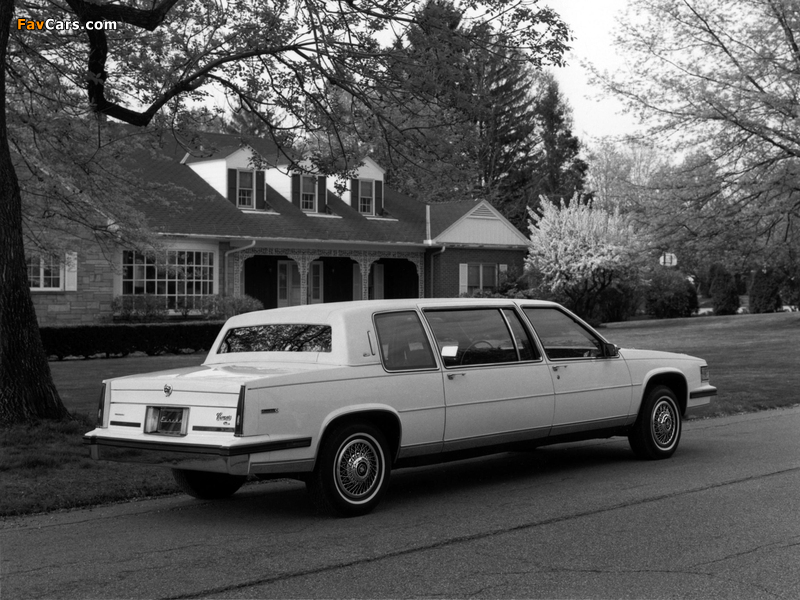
{"x":248,"y":224}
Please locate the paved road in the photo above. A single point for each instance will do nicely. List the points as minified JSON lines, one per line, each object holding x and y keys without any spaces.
{"x":718,"y":520}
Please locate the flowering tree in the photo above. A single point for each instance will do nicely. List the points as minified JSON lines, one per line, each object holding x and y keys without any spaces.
{"x":580,"y":251}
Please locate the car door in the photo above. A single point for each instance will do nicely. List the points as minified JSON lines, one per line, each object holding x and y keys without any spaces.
{"x":592,"y":391}
{"x":497,"y":387}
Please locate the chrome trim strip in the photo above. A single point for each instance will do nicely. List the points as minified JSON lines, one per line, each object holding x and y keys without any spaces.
{"x":200,"y":449}
{"x":420,"y":450}
{"x":703,"y":392}
{"x":289,"y":466}
{"x":496,"y":438}
{"x":589,"y":425}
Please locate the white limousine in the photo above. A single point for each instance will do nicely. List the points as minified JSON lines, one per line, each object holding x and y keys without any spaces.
{"x":339,"y":394}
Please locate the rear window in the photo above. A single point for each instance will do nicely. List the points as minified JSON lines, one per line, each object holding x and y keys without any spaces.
{"x":278,"y":338}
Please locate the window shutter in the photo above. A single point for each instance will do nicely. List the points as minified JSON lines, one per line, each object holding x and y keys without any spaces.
{"x":462,"y":278}
{"x":378,"y":198}
{"x":261,"y":202}
{"x":322,"y":194}
{"x":71,"y":272}
{"x":296,"y":189}
{"x":232,"y":186}
{"x":356,"y":282}
{"x":354,"y":193}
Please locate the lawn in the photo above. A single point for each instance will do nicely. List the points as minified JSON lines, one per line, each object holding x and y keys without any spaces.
{"x":753,"y":359}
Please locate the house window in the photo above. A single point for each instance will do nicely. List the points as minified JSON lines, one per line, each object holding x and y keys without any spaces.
{"x":245,"y":187}
{"x":308,"y":193}
{"x":181,"y":277}
{"x":45,"y":273}
{"x":366,"y":197}
{"x":477,"y":277}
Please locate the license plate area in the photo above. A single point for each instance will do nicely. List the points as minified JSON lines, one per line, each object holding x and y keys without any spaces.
{"x":166,"y":420}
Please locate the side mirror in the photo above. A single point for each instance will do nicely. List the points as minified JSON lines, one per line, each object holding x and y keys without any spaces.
{"x":610,"y":350}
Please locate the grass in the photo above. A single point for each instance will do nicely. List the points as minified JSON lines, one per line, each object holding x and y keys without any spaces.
{"x":753,"y":360}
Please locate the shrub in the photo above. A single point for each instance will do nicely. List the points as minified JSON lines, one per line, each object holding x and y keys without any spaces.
{"x":140,"y":308}
{"x":618,"y":302}
{"x":724,"y":293}
{"x":670,"y":294}
{"x":224,"y":307}
{"x":765,"y":291}
{"x":122,"y":339}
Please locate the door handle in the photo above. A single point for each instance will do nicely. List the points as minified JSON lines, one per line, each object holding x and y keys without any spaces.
{"x":452,"y":376}
{"x":557,"y":367}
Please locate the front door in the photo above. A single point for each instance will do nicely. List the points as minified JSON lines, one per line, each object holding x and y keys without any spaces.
{"x":289,"y":283}
{"x":592,"y":392}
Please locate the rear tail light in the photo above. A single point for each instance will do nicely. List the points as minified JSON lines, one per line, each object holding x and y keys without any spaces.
{"x":238,"y":430}
{"x":101,"y":409}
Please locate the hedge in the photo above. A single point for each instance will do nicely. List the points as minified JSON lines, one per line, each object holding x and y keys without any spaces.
{"x":123,"y":339}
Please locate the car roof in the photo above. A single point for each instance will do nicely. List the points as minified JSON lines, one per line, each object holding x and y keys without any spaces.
{"x":325,"y":313}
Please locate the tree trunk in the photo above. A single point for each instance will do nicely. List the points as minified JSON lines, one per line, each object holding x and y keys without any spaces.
{"x":27,"y":392}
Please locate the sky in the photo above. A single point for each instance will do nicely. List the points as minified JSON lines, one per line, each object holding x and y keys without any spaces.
{"x":592,"y":23}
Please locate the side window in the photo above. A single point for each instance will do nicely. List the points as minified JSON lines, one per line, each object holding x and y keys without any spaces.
{"x":527,"y":349}
{"x":561,"y":336}
{"x":472,"y":337}
{"x":403,"y":342}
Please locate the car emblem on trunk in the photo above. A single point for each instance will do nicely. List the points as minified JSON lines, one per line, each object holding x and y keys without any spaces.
{"x":167,"y":390}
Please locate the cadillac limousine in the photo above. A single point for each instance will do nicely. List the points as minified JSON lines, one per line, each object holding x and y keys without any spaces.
{"x":339,"y":394}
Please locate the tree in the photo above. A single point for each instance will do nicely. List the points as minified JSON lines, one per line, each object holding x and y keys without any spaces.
{"x":279,"y":61}
{"x":559,"y":172}
{"x":508,"y":134}
{"x":579,"y":252}
{"x":670,"y":294}
{"x":718,"y":78}
{"x":765,"y":293}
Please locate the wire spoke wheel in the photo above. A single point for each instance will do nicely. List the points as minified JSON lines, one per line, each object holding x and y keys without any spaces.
{"x":357,"y":468}
{"x":657,"y":430}
{"x":353,"y":471}
{"x":664,"y":423}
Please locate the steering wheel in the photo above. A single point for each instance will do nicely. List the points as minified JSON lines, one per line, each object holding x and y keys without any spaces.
{"x":474,"y":345}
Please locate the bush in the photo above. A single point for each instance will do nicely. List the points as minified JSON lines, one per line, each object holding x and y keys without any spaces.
{"x":123,"y":339}
{"x":670,"y":295}
{"x":618,"y":302}
{"x":140,"y":308}
{"x":225,"y":307}
{"x":724,"y":293}
{"x":765,"y":291}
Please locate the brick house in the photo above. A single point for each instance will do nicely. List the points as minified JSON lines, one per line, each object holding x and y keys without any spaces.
{"x":249,"y":225}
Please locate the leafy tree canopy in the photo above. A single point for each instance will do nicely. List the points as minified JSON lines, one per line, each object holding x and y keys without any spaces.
{"x":579,"y":251}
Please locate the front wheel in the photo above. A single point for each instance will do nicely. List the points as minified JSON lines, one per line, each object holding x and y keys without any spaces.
{"x":207,"y":486}
{"x":657,"y":430}
{"x":352,"y":471}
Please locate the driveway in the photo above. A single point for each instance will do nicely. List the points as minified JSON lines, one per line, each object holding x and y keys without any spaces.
{"x":587,"y":520}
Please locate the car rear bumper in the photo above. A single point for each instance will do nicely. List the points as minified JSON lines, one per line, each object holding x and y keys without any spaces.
{"x":234,"y":460}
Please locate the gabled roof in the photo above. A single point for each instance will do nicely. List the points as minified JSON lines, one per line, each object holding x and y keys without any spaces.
{"x":481,"y":224}
{"x":193,"y":208}
{"x":215,"y":146}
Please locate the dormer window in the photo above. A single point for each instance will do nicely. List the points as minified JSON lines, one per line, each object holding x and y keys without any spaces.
{"x":366,"y":196}
{"x":245,"y":189}
{"x":308,"y":193}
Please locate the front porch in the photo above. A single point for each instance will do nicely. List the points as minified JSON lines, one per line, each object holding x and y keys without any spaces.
{"x":289,"y":276}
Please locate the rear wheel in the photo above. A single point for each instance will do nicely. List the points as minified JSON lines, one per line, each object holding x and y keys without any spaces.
{"x":657,"y":430}
{"x":352,"y":471}
{"x":207,"y":486}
